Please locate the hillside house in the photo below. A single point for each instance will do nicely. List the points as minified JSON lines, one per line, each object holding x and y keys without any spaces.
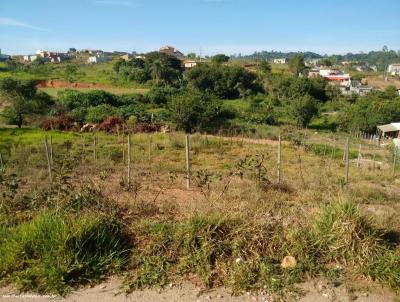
{"x":188,"y":64}
{"x":29,"y":58}
{"x":126,"y":57}
{"x":336,"y":77}
{"x":394,"y":69}
{"x":280,"y":61}
{"x":391,"y":130}
{"x":312,"y":62}
{"x":97,"y":59}
{"x":172,"y":51}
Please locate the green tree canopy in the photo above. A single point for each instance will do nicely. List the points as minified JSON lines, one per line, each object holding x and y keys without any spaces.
{"x":296,"y":64}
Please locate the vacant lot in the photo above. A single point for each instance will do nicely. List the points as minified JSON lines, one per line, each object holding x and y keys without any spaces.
{"x":236,"y":225}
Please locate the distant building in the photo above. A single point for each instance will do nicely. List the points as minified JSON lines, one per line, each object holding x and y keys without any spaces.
{"x":29,"y":58}
{"x":336,"y":77}
{"x":189,"y":64}
{"x":97,"y":59}
{"x":394,"y":69}
{"x":312,"y":62}
{"x":4,"y":57}
{"x":126,"y":57}
{"x":313,"y":73}
{"x":172,"y":51}
{"x":390,"y":130}
{"x":280,"y":61}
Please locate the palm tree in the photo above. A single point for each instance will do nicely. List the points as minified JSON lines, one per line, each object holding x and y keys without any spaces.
{"x":156,"y":70}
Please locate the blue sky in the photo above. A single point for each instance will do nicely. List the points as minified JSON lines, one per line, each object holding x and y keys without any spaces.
{"x":229,"y":26}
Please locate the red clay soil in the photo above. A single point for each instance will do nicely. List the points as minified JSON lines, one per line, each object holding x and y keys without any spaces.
{"x":67,"y":84}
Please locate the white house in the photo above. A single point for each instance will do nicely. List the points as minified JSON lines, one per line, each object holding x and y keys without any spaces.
{"x":394,"y":69}
{"x":189,"y":64}
{"x":29,"y":58}
{"x":97,"y":59}
{"x":280,"y":61}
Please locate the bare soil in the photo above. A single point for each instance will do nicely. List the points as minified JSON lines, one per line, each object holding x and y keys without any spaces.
{"x":67,"y":84}
{"x":319,"y":290}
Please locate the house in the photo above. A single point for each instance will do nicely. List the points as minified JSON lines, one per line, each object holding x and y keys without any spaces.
{"x":172,"y":51}
{"x":126,"y":57}
{"x":97,"y":59}
{"x":391,"y":130}
{"x":29,"y":58}
{"x":313,"y":73}
{"x":312,"y":62}
{"x":394,"y":69}
{"x":336,"y":77}
{"x":189,"y":64}
{"x":280,"y":61}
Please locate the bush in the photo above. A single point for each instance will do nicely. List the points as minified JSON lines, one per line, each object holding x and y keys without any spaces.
{"x":98,"y":113}
{"x":227,"y":82}
{"x":192,"y":110}
{"x":61,"y":122}
{"x":110,"y":124}
{"x":54,"y":252}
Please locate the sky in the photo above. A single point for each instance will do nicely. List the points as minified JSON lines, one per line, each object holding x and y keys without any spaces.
{"x":206,"y":26}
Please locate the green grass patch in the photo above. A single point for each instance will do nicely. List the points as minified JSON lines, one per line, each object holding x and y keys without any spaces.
{"x":56,"y":252}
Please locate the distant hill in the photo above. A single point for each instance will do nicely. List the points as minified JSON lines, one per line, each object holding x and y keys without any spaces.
{"x":270,"y":55}
{"x":380,"y":58}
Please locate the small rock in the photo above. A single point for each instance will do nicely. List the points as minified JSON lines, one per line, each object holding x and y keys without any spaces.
{"x":170,"y":285}
{"x":289,"y":262}
{"x":103,"y":286}
{"x":336,"y":283}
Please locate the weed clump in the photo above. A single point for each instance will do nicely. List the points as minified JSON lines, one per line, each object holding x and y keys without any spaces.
{"x":53,"y":253}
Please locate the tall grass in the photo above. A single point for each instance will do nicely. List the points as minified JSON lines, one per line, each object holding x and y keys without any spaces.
{"x":55,"y":252}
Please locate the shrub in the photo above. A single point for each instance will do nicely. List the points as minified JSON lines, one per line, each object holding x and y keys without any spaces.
{"x":110,"y":124}
{"x":54,"y":252}
{"x":61,"y":122}
{"x":99,"y":113}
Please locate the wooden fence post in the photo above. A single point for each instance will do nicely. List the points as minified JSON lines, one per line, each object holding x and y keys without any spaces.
{"x":48,"y":159}
{"x":394,"y":161}
{"x":94,"y":149}
{"x":347,"y":160}
{"x":129,"y":160}
{"x":359,"y":157}
{"x":150,"y":146}
{"x":1,"y":162}
{"x":51,"y":150}
{"x":187,"y":162}
{"x":278,"y":166}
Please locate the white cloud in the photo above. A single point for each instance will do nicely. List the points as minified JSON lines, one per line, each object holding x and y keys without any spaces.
{"x":16,"y":23}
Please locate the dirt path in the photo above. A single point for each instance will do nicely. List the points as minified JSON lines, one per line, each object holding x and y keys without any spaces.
{"x":187,"y":292}
{"x":257,"y":141}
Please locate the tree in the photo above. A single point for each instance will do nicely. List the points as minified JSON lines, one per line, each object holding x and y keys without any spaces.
{"x":265,"y":67}
{"x":296,"y":64}
{"x":156,"y":70}
{"x":219,"y":59}
{"x":302,"y":110}
{"x":224,"y":81}
{"x":326,"y":62}
{"x":391,"y":92}
{"x":192,"y":110}
{"x":20,"y":95}
{"x":162,"y":67}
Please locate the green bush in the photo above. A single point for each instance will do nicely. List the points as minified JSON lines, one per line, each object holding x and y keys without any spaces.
{"x":98,"y":113}
{"x":55,"y":252}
